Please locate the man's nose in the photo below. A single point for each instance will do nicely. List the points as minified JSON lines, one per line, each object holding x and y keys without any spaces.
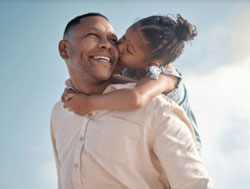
{"x":104,"y":43}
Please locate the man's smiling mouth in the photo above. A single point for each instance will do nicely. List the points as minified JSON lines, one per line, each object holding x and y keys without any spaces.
{"x":102,"y":58}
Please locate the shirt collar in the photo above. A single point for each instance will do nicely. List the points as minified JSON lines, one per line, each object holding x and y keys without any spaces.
{"x":113,"y":87}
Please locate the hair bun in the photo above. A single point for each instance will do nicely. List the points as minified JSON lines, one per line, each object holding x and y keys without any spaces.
{"x":184,"y":30}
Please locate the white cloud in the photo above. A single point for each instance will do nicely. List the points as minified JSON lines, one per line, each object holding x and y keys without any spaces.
{"x":221,"y":103}
{"x":220,"y":42}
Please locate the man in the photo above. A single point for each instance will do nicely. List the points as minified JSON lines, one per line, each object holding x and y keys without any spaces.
{"x":143,"y":148}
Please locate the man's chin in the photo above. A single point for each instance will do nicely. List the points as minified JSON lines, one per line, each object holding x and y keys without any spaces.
{"x":103,"y":76}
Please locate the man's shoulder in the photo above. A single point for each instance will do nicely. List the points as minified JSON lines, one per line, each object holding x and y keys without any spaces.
{"x":57,"y":107}
{"x":155,"y":109}
{"x":57,"y":111}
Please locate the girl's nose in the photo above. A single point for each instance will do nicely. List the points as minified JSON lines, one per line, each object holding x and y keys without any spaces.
{"x":120,"y":46}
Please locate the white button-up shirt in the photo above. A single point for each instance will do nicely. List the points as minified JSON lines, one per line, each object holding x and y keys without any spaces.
{"x":151,"y":147}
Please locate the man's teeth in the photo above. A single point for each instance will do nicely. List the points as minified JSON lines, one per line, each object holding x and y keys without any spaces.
{"x":102,"y":58}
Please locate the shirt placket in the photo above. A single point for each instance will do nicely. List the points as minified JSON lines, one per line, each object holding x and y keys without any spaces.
{"x":76,"y":176}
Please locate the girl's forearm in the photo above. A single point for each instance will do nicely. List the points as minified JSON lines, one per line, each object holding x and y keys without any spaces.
{"x":128,"y":99}
{"x":122,"y":99}
{"x":149,"y":88}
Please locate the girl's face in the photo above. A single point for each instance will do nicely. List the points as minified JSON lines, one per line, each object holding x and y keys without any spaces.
{"x":131,"y":50}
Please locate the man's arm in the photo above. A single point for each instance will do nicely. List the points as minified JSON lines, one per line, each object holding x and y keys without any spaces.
{"x":52,"y":132}
{"x":175,"y":148}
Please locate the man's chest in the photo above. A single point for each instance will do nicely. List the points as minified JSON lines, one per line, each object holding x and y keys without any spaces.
{"x":108,"y":137}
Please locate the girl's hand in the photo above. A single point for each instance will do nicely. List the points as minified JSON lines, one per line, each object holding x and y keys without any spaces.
{"x":77,"y":103}
{"x":65,"y":93}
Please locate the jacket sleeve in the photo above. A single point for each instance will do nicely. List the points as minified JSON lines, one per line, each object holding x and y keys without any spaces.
{"x":174,"y":145}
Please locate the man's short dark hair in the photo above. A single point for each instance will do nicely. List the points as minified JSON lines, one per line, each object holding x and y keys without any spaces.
{"x":77,"y":20}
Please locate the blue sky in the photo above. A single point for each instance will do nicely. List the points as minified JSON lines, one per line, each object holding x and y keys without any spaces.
{"x":216,"y":69}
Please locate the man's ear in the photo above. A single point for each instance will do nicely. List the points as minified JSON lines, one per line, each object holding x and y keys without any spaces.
{"x":64,"y":49}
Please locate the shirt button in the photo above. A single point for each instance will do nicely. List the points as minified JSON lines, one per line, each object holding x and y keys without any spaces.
{"x":76,"y":165}
{"x":81,"y":139}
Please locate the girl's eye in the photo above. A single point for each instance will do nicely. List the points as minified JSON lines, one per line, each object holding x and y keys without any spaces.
{"x":129,"y":50}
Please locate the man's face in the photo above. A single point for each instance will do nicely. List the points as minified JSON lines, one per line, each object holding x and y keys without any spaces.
{"x":92,"y":49}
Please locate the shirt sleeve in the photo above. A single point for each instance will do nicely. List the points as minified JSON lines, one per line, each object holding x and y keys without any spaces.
{"x":175,"y":148}
{"x":52,"y":132}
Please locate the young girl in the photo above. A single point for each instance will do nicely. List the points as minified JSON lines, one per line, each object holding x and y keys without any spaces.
{"x":146,"y":50}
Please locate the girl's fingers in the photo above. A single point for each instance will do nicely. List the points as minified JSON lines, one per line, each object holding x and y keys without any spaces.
{"x":69,"y":96}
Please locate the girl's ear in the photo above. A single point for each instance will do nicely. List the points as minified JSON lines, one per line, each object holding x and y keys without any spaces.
{"x":155,"y":63}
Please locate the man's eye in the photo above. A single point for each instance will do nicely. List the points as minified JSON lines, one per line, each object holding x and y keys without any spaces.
{"x":92,"y":35}
{"x":114,"y":41}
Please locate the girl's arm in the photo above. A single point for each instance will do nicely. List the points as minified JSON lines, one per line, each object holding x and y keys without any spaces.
{"x":119,"y":79}
{"x":126,"y":99}
{"x":146,"y":89}
{"x":122,"y":99}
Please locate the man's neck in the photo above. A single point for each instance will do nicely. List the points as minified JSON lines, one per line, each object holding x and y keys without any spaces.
{"x":82,"y":85}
